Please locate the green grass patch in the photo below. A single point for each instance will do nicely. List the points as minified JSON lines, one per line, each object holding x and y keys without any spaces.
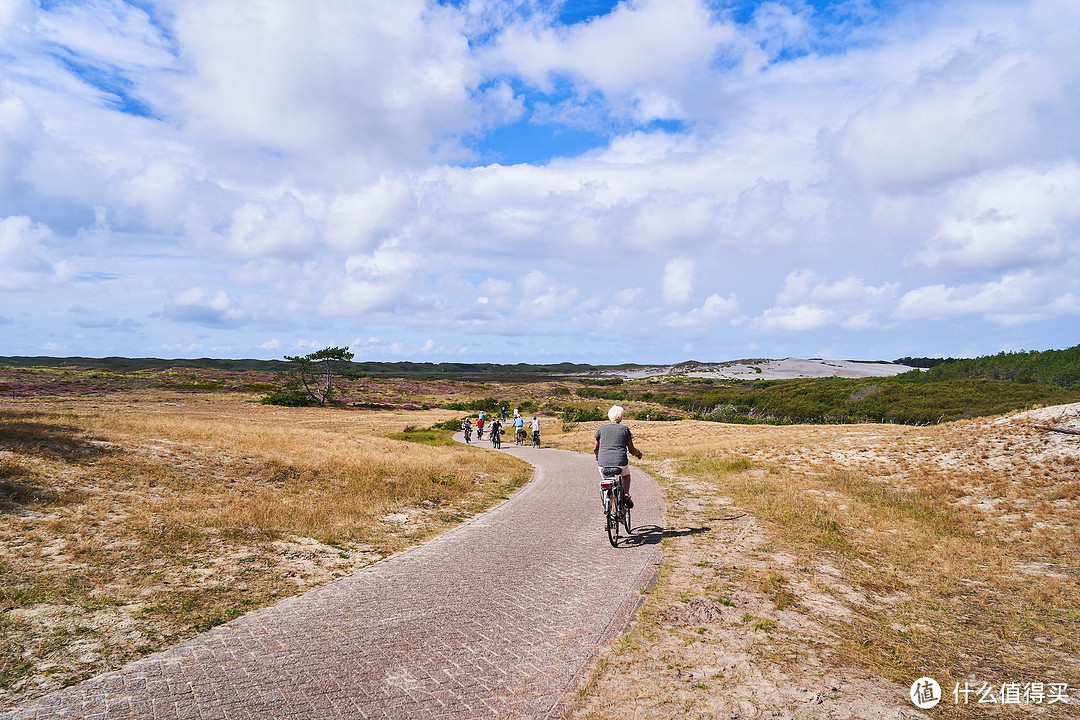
{"x":425,"y":436}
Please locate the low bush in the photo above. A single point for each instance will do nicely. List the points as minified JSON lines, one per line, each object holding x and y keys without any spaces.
{"x":453,"y":425}
{"x":582,"y":414}
{"x":288,"y":398}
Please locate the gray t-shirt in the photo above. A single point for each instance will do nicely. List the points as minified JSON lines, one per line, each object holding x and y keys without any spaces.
{"x":613,"y":438}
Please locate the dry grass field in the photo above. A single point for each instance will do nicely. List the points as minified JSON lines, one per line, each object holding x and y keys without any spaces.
{"x":810,"y":571}
{"x":817,"y":571}
{"x":134,"y":521}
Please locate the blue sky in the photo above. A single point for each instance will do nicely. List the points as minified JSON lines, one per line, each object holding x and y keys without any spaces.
{"x":524,"y":181}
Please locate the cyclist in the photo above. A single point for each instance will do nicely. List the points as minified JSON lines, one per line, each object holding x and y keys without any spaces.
{"x":519,"y":429}
{"x":466,"y":425}
{"x":480,"y":426}
{"x":495,"y":432}
{"x":535,"y":427}
{"x":613,"y":442}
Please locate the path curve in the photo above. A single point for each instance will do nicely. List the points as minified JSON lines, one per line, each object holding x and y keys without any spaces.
{"x":494,"y":619}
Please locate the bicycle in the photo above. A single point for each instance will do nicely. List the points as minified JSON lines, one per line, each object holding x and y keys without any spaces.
{"x":519,"y":436}
{"x":615,"y":509}
{"x":496,"y":438}
{"x":468,"y":435}
{"x":536,"y":438}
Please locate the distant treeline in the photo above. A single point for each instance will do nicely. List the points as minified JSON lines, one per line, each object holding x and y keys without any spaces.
{"x":459,"y":371}
{"x":923,"y":362}
{"x":1047,"y":367}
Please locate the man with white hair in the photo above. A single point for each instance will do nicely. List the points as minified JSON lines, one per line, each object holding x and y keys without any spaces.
{"x":613,"y":442}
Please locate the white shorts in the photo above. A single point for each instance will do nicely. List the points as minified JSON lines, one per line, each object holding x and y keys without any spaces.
{"x":625,"y":470}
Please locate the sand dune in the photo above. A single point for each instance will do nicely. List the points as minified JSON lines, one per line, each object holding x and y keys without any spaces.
{"x":761,"y":369}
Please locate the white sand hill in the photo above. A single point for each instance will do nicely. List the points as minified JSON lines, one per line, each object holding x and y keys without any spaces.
{"x":761,"y":369}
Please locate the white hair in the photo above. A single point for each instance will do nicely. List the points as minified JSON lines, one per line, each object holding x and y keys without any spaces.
{"x":615,"y":414}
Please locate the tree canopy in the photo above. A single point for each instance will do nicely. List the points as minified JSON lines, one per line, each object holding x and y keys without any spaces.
{"x":315,"y":372}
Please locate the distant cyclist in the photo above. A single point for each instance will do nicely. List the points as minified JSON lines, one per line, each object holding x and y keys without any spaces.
{"x":480,"y":426}
{"x":613,"y":442}
{"x":519,"y":429}
{"x":535,"y":427}
{"x":466,"y":425}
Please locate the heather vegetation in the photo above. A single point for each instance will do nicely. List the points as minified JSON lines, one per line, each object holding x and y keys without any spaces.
{"x":950,"y":391}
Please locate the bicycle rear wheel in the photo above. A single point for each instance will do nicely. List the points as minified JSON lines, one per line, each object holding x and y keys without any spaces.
{"x":626,"y":518}
{"x":611,"y":511}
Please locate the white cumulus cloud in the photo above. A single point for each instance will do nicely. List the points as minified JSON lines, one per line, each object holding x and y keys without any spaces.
{"x":1016,"y":216}
{"x":677,"y":285}
{"x":25,"y":258}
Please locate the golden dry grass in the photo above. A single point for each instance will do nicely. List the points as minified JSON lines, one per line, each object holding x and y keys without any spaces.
{"x":134,"y":521}
{"x":947,"y":551}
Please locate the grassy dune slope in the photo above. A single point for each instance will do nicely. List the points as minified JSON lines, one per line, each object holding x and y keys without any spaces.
{"x":803,"y":562}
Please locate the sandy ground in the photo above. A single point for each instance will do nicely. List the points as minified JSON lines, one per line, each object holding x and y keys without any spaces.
{"x":709,"y":646}
{"x":712,"y":640}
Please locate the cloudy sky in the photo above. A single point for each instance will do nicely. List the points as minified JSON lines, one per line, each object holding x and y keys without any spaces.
{"x":539,"y":181}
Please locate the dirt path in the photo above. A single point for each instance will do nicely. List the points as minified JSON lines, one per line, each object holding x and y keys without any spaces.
{"x":495,"y":619}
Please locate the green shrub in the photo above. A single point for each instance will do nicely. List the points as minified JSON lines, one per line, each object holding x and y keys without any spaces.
{"x":488,"y":404}
{"x":653,"y":415}
{"x":288,"y":398}
{"x":726,"y":413}
{"x":429,"y":436}
{"x":581,"y":414}
{"x":453,"y":425}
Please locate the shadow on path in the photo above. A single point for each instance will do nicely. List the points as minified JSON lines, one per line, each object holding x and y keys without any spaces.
{"x":653,"y":534}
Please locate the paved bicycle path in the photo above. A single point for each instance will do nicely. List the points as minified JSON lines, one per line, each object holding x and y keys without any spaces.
{"x":494,"y":619}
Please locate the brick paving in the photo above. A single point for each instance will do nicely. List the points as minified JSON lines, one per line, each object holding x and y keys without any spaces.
{"x":495,"y":619}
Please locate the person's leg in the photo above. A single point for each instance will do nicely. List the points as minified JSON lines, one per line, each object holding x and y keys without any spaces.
{"x":626,"y":485}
